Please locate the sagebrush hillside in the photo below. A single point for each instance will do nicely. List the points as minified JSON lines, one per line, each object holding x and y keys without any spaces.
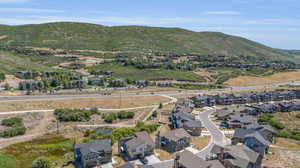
{"x":76,"y":36}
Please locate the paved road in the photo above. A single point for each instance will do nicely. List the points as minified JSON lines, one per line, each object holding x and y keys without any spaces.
{"x":217,"y":137}
{"x":66,"y":97}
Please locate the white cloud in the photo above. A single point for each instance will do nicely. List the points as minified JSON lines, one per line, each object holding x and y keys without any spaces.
{"x":29,"y":10}
{"x":222,"y":13}
{"x":13,"y":1}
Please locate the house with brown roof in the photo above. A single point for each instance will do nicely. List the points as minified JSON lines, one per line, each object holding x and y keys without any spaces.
{"x":137,"y":146}
{"x":174,"y":140}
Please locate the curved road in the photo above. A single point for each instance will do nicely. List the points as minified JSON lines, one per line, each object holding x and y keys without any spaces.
{"x":217,"y":137}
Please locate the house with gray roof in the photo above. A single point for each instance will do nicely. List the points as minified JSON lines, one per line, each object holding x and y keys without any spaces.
{"x":193,"y":127}
{"x":297,"y":93}
{"x":178,"y":119}
{"x":174,"y":140}
{"x":237,"y":156}
{"x":137,"y":146}
{"x":204,"y":100}
{"x":239,"y":121}
{"x":187,"y":159}
{"x":92,"y":154}
{"x":257,"y":142}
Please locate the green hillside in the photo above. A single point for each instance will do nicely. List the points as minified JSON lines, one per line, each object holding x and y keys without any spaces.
{"x":71,"y":36}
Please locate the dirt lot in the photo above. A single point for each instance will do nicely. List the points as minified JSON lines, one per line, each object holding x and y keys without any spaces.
{"x":276,"y":78}
{"x":110,"y":102}
{"x":163,"y":155}
{"x":285,"y":154}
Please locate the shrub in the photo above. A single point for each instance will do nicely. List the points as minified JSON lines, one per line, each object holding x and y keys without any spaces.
{"x":289,"y":134}
{"x":12,"y":122}
{"x":276,"y":124}
{"x":2,"y":76}
{"x":298,"y":116}
{"x":265,"y":118}
{"x":14,"y":131}
{"x":109,"y":118}
{"x":41,"y":162}
{"x":68,"y":115}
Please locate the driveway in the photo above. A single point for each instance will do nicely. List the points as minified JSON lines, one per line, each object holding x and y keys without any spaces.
{"x":152,"y":159}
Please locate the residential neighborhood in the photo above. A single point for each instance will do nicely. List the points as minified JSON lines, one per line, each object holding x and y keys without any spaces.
{"x":150,"y":84}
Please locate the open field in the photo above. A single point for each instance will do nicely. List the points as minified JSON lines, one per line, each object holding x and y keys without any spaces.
{"x":109,"y":102}
{"x":262,"y":80}
{"x":284,"y":154}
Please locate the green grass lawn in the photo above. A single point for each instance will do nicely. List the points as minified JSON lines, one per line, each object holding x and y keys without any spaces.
{"x":148,"y":74}
{"x":7,"y":161}
{"x":21,"y":155}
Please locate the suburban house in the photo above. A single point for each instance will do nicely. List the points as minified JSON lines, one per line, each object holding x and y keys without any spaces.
{"x":225,"y":99}
{"x":187,"y":159}
{"x":93,"y":153}
{"x":239,"y":121}
{"x":297,"y":93}
{"x":224,"y":114}
{"x":194,"y":128}
{"x":174,"y":140}
{"x":266,"y":108}
{"x":267,"y":132}
{"x":257,"y":143}
{"x":228,"y":99}
{"x":178,"y":119}
{"x":137,"y":146}
{"x":204,"y":100}
{"x":289,"y":106}
{"x":237,"y":156}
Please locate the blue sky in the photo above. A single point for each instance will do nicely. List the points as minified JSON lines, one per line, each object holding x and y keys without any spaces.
{"x":275,"y":23}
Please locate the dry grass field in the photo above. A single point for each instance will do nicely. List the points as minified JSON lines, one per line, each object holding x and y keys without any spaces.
{"x":262,"y":80}
{"x":284,"y":154}
{"x":110,"y":102}
{"x":200,"y":142}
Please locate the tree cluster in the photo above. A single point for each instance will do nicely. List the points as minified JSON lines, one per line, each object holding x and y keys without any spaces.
{"x":69,"y":115}
{"x":16,"y":127}
{"x":111,"y":117}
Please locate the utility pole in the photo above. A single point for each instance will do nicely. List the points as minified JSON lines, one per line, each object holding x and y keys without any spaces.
{"x":120,"y":103}
{"x":57,"y":126}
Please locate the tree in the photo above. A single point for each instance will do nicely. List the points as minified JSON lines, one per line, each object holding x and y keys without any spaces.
{"x":6,"y":86}
{"x":2,"y":76}
{"x":160,"y":106}
{"x":41,"y":162}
